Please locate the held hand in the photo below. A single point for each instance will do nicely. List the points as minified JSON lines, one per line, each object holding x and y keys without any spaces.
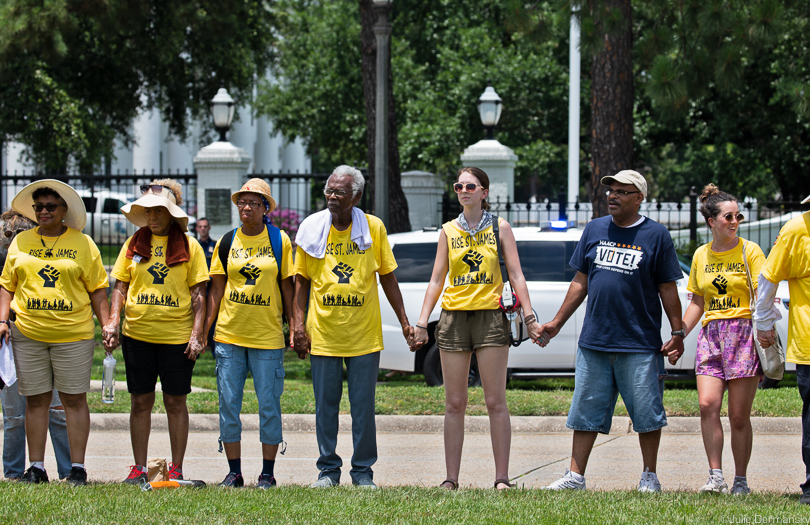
{"x":419,"y":339}
{"x":109,"y":334}
{"x":535,"y":334}
{"x":673,"y":349}
{"x":766,"y":338}
{"x":408,"y":332}
{"x":301,"y":343}
{"x":195,"y":347}
{"x":547,"y":332}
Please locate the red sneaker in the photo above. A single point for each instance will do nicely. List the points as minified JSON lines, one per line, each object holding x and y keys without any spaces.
{"x":136,"y":475}
{"x":175,"y":472}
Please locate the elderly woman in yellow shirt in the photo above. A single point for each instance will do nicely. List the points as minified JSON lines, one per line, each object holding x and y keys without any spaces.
{"x":54,"y":281}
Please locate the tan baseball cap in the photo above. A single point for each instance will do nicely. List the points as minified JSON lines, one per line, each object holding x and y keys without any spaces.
{"x":628,"y":177}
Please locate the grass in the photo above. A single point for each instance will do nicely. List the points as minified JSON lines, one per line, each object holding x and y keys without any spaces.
{"x":115,"y":503}
{"x":408,"y":395}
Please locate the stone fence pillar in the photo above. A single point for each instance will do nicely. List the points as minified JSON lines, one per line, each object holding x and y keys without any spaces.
{"x":423,"y":190}
{"x":499,"y":163}
{"x":221,"y":170}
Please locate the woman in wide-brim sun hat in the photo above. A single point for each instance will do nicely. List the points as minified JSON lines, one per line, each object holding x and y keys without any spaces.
{"x":251,"y":287}
{"x":161,"y":277}
{"x":54,"y":280}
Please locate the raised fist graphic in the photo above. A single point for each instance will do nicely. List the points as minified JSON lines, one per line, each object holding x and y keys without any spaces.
{"x":50,"y":275}
{"x":721,"y":284}
{"x":251,"y":273}
{"x":158,"y":271}
{"x":474,"y":259}
{"x":343,"y":271}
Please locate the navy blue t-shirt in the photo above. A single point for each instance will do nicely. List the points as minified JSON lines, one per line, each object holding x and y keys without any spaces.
{"x":624,"y":268}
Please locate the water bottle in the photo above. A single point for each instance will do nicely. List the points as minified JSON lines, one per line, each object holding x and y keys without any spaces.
{"x":108,"y":380}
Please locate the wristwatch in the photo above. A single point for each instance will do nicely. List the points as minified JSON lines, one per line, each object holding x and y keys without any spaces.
{"x":681,"y":333}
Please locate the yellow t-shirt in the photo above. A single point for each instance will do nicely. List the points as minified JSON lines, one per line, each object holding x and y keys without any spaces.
{"x":344,"y":308}
{"x":475,"y":275}
{"x":250,"y":313}
{"x":719,"y":277}
{"x":51,"y":285}
{"x":158,"y":307}
{"x":790,"y":259}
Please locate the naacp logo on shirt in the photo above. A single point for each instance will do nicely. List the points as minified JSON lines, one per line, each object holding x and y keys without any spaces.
{"x":618,"y":257}
{"x":250,"y":273}
{"x":473,"y":259}
{"x":49,"y":276}
{"x":158,"y":271}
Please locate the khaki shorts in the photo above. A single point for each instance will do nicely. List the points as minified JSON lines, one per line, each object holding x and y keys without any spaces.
{"x":468,"y":330}
{"x":41,"y":366}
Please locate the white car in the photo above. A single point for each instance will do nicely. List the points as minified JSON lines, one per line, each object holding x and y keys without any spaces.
{"x":544,"y":257}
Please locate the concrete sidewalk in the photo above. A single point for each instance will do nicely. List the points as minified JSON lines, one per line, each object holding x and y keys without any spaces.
{"x":411,"y":452}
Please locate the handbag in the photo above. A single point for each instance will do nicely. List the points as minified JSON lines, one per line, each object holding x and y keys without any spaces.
{"x":518,"y":331}
{"x":772,"y":358}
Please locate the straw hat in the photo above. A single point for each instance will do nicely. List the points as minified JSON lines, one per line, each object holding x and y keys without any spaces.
{"x":135,"y":212}
{"x":256,"y":186}
{"x":76,"y":216}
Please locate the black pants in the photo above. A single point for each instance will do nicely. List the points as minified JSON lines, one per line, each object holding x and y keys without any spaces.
{"x":803,"y":380}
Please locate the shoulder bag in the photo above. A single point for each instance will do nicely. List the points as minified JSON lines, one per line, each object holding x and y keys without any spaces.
{"x":772,"y":358}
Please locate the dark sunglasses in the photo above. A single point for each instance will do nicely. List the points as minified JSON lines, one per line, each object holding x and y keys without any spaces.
{"x":154,"y":188}
{"x":51,"y":206}
{"x":469,"y":186}
{"x":11,"y":233}
{"x":728,"y":216}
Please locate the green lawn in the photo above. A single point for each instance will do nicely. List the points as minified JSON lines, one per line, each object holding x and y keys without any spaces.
{"x":408,"y":395}
{"x":116,"y":503}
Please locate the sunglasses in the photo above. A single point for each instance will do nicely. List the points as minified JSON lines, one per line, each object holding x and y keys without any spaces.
{"x":728,"y":216}
{"x":154,"y":188}
{"x":470,"y":186}
{"x":11,"y":233}
{"x":51,"y":207}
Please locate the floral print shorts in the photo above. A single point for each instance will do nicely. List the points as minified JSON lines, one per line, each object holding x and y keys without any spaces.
{"x":725,"y":349}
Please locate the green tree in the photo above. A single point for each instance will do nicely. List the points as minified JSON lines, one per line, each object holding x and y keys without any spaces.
{"x":75,"y":73}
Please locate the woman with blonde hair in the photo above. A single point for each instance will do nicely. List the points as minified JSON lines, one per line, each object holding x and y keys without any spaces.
{"x":726,"y":357}
{"x":161,"y":277}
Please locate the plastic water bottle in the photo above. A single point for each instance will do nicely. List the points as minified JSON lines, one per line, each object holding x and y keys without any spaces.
{"x":108,"y":380}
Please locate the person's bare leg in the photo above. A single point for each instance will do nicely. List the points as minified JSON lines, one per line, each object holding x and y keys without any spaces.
{"x":233,"y":450}
{"x":650,"y":442}
{"x":741,"y":394}
{"x":77,"y":418}
{"x":581,"y":450}
{"x":456,"y":372}
{"x":269,"y":452}
{"x":177,"y":414}
{"x":140,"y":425}
{"x":37,"y":411}
{"x":492,"y":368}
{"x":710,"y":399}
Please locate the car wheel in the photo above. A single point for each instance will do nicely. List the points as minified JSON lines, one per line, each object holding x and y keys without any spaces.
{"x":432,"y":368}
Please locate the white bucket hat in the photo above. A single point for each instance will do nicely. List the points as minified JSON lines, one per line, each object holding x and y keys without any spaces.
{"x":76,"y":215}
{"x":135,"y":212}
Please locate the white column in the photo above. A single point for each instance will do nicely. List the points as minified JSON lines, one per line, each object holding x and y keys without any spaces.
{"x":146,"y":150}
{"x":573,"y":112}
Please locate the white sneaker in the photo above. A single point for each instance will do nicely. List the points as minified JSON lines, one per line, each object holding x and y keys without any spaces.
{"x":649,"y":482}
{"x":567,"y":482}
{"x":740,"y":487}
{"x":324,"y":483}
{"x":715,"y":484}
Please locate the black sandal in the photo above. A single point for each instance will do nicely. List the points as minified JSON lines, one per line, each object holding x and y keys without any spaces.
{"x":453,"y":484}
{"x":504,"y":482}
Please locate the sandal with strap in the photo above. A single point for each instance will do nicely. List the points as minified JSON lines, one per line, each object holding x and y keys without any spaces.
{"x":503,"y":482}
{"x":453,"y":484}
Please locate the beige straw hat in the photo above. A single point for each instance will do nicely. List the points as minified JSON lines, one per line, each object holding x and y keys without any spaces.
{"x":76,"y":216}
{"x":135,"y":212}
{"x":256,"y":186}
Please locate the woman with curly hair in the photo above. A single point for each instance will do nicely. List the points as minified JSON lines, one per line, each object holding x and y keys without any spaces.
{"x":161,"y":277}
{"x":726,"y":358}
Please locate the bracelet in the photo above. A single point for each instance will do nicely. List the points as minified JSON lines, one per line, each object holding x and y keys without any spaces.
{"x":420,"y":326}
{"x":6,"y":322}
{"x":529,"y":319}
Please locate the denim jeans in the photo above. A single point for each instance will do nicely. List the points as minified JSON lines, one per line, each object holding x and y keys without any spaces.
{"x":327,"y":382}
{"x":14,"y":433}
{"x":267,"y":369}
{"x":803,"y":381}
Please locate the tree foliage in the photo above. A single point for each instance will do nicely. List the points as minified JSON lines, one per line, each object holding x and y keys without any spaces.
{"x":102,"y":61}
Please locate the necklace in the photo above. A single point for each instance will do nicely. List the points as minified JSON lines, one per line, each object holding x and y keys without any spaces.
{"x":49,"y":251}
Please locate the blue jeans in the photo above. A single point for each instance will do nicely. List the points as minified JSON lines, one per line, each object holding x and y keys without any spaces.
{"x":327,"y":382}
{"x":803,"y":381}
{"x":267,"y":369}
{"x":14,"y":433}
{"x":602,"y":376}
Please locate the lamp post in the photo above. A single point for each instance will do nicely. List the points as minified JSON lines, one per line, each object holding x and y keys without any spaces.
{"x":382,"y":31}
{"x":222,"y":108}
{"x":489,"y":109}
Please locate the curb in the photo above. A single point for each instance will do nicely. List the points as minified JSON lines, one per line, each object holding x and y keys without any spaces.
{"x":435,"y":424}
